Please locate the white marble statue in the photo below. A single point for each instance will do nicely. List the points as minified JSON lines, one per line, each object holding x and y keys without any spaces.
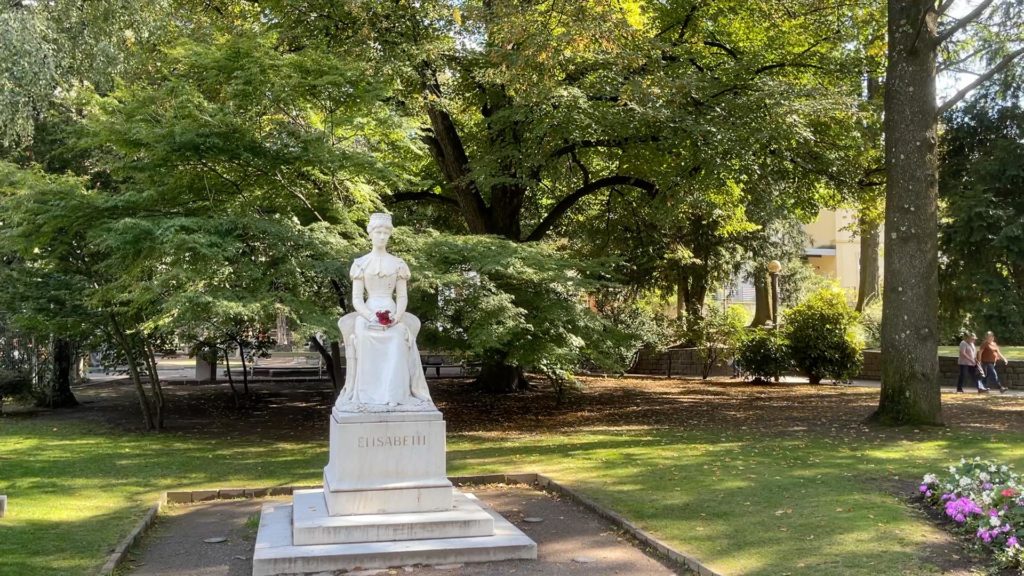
{"x":383,"y":371}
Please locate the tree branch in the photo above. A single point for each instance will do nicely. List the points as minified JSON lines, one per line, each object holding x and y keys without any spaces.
{"x":569,"y":201}
{"x":583,"y":168}
{"x":963,"y":22}
{"x":944,"y":7}
{"x":422,"y":195}
{"x":981,"y":79}
{"x":715,"y":44}
{"x":683,"y":24}
{"x":603,"y":143}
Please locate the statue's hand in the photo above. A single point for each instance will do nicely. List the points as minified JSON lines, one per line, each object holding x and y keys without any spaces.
{"x":397,"y":318}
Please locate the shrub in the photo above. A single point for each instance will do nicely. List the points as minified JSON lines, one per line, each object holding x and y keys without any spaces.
{"x":717,"y":335}
{"x":763,"y":354}
{"x":871,"y":322}
{"x":822,"y":336}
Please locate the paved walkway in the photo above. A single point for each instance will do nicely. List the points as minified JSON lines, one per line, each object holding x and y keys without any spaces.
{"x":571,"y":541}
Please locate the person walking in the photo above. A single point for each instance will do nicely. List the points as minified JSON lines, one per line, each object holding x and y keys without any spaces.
{"x":968,"y":362}
{"x":988,"y":355}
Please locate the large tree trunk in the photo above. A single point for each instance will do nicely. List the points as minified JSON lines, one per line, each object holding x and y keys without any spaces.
{"x":450,"y":155}
{"x":910,"y":388}
{"x":64,"y":367}
{"x":329,"y":361}
{"x":762,"y":301}
{"x":691,"y":290}
{"x":867,"y":288}
{"x":497,"y":377}
{"x":697,"y":278}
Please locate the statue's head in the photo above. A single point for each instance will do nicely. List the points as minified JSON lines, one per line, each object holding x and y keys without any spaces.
{"x":379,"y":228}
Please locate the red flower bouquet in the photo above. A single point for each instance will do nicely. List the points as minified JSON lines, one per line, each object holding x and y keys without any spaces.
{"x":384,"y":317}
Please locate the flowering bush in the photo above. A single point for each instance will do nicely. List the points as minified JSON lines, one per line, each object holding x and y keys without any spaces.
{"x":983,"y":500}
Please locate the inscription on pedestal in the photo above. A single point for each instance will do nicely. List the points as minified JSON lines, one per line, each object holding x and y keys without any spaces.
{"x":388,"y":441}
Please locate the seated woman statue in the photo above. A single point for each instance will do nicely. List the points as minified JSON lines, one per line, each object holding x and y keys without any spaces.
{"x":383,"y":370}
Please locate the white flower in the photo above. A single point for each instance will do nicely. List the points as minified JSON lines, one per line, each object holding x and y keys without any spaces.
{"x":965,"y":482}
{"x":995,"y":520}
{"x":984,"y":477}
{"x":952,"y":469}
{"x":930,"y":479}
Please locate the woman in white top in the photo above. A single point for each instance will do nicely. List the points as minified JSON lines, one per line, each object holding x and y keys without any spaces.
{"x":968,"y":362}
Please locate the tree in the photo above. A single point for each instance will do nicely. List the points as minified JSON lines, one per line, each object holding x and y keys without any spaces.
{"x":982,"y":269}
{"x":512,"y":304}
{"x":49,"y":49}
{"x":910,"y":388}
{"x":718,"y":335}
{"x":206,"y":199}
{"x":531,"y":127}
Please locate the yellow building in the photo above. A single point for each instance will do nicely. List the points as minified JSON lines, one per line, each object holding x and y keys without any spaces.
{"x":832,"y":250}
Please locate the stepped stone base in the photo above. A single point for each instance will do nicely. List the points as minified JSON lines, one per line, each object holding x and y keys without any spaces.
{"x":313,"y":525}
{"x":277,"y":552}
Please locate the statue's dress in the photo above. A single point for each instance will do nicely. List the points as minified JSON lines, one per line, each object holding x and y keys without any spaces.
{"x":383,"y":369}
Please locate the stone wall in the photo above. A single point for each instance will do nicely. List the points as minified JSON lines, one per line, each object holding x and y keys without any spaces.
{"x":682,"y":362}
{"x":871,"y":369}
{"x":1012,"y":375}
{"x":676,"y":362}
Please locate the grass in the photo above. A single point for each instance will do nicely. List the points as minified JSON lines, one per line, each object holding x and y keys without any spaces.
{"x":1011,"y":352}
{"x":742,"y":502}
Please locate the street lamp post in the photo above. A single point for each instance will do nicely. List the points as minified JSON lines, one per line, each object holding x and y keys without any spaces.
{"x":774,"y":267}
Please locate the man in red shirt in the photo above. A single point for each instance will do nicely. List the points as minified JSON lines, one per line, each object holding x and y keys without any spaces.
{"x":988,"y":355}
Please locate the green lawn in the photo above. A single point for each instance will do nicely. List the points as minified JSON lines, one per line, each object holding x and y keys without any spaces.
{"x":1011,"y":352}
{"x":744,"y":503}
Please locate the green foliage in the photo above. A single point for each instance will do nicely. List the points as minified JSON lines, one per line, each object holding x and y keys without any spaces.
{"x":717,"y":335}
{"x":871,"y":323}
{"x":51,"y":49}
{"x":764,"y":354}
{"x":799,"y":281}
{"x":822,"y":338}
{"x":523,"y":305}
{"x":981,"y":230}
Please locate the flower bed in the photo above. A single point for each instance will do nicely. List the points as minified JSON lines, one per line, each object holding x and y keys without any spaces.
{"x":982,"y":500}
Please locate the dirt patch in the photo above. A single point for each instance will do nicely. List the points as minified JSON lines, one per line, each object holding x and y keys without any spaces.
{"x":571,"y":541}
{"x":283,"y":410}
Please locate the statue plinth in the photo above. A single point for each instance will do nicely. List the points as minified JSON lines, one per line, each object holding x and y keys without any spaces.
{"x":386,"y":463}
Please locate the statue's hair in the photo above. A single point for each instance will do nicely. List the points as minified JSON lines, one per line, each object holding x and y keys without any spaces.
{"x":378,"y":219}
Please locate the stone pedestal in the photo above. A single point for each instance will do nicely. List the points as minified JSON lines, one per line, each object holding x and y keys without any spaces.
{"x":386,"y":501}
{"x":386,"y":463}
